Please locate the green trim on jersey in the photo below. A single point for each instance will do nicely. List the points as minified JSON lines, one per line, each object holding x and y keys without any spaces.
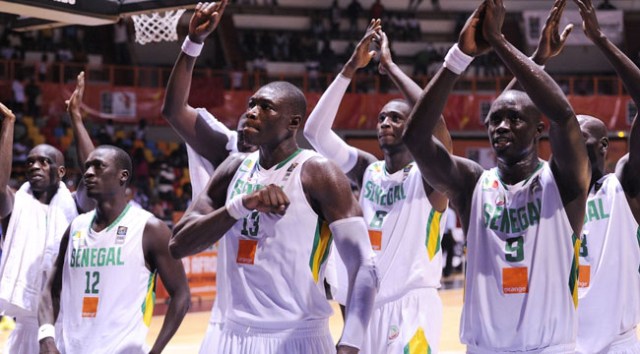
{"x":285,"y":161}
{"x":321,"y":248}
{"x":149,"y":300}
{"x":433,"y":233}
{"x":575,"y":268}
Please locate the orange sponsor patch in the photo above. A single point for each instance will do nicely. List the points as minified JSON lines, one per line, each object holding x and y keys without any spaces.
{"x":376,"y":239}
{"x":90,"y":306}
{"x":515,"y":280}
{"x":584,"y":276}
{"x":247,"y":251}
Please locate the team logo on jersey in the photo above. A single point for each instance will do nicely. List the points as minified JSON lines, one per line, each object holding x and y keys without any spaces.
{"x":488,"y":184}
{"x":289,"y":171}
{"x":121,"y":233}
{"x":79,"y":240}
{"x":394,"y":332}
{"x":500,"y":200}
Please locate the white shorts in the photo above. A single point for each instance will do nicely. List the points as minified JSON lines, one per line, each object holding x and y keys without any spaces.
{"x":24,"y":337}
{"x":626,"y":344}
{"x":412,"y":323}
{"x":212,"y":337}
{"x":314,"y":338}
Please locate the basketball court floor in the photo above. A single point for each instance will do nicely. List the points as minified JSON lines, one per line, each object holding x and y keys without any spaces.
{"x":187,"y":339}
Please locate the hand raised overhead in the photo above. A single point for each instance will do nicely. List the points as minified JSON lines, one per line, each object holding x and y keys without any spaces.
{"x":362,"y":55}
{"x":471,"y":40}
{"x":590,"y":23}
{"x":75,"y":101}
{"x":205,"y":19}
{"x":551,"y":41}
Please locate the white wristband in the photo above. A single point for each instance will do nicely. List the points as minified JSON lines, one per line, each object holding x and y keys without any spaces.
{"x":456,"y":60}
{"x":45,"y":331}
{"x":236,"y":209}
{"x":191,"y":48}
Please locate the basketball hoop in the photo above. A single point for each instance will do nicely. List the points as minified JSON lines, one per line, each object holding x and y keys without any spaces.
{"x":157,"y":27}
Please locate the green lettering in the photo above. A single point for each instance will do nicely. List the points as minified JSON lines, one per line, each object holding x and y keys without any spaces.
{"x":534,"y":213}
{"x":513,"y":219}
{"x":504,"y":224}
{"x":486,"y":213}
{"x":120,"y":261}
{"x":85,"y":257}
{"x":397,"y":193}
{"x":603,"y":214}
{"x":592,"y":211}
{"x":522,"y":217}
{"x":496,"y":213}
{"x":111,"y":257}
{"x":367,"y":190}
{"x":94,"y":254}
{"x":72,"y":262}
{"x":101,"y":256}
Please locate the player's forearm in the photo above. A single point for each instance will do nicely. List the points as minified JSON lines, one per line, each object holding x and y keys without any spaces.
{"x":541,"y":88}
{"x":6,"y":146}
{"x":194,"y":233}
{"x":627,"y":71}
{"x":177,"y":310}
{"x":84,"y":144}
{"x":409,"y":88}
{"x":318,"y":132}
{"x":178,"y":88}
{"x":428,"y":110}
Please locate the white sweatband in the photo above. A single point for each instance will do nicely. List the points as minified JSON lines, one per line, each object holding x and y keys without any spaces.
{"x":191,"y":48}
{"x":456,"y":60}
{"x":352,"y":242}
{"x":317,"y":129}
{"x":45,"y":331}
{"x":236,"y":209}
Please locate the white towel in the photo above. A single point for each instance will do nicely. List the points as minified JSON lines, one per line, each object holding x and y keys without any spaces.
{"x":30,"y":248}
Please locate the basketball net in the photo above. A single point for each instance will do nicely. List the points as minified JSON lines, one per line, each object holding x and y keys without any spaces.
{"x":157,"y":26}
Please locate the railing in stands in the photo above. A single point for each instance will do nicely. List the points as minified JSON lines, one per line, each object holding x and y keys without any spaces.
{"x":139,"y":76}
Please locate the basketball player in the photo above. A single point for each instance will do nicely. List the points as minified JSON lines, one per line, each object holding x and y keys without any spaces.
{"x":275,"y":208}
{"x":609,"y":287}
{"x":33,"y":220}
{"x":404,"y":214}
{"x":103,"y":281}
{"x":209,"y":142}
{"x":524,"y":217}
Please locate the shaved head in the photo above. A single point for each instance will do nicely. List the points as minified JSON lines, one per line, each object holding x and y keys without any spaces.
{"x":297,"y":103}
{"x":522,"y":101}
{"x":592,"y":126}
{"x":50,"y":151}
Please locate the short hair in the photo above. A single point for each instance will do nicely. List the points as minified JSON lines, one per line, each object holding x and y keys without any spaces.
{"x":57,"y":155}
{"x":296,"y":101}
{"x":528,"y":107}
{"x":121,"y":158}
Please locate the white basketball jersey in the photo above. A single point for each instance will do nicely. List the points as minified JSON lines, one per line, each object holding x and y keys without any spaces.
{"x":609,"y":281}
{"x":521,"y":276}
{"x":404,"y":229}
{"x":107,"y":291}
{"x":275,"y":263}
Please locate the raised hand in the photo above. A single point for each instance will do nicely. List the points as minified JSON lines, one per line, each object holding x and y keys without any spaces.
{"x":270,"y":199}
{"x":385,"y":53}
{"x":471,"y":40}
{"x":75,"y":101}
{"x":205,"y":19}
{"x":493,"y":20}
{"x":590,"y":23}
{"x":6,"y":113}
{"x":551,"y":42}
{"x":362,"y":55}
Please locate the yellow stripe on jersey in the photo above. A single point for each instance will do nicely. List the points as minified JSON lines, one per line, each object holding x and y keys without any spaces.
{"x":321,"y":248}
{"x":149,"y":300}
{"x":418,"y":344}
{"x":433,"y":233}
{"x":575,"y":267}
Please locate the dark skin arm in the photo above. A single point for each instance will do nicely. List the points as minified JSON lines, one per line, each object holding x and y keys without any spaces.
{"x":155,"y":240}
{"x":454,"y":176}
{"x":411,"y":92}
{"x":207,"y":219}
{"x":176,"y":110}
{"x":551,"y":41}
{"x":628,"y":167}
{"x":7,"y":196}
{"x":570,"y":164}
{"x":84,"y":144}
{"x":49,"y":306}
{"x":329,"y":193}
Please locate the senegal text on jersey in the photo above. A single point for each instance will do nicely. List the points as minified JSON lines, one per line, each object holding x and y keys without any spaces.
{"x":376,"y":193}
{"x":511,"y":220}
{"x":96,"y":257}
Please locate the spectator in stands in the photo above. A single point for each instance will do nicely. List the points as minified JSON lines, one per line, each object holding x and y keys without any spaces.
{"x":164,"y":183}
{"x":141,"y":130}
{"x":281,"y":47}
{"x":335,"y":13}
{"x":376,"y":10}
{"x":43,"y":67}
{"x":353,"y":13}
{"x":32,"y":92}
{"x":606,"y":5}
{"x":327,"y":58}
{"x":435,"y":5}
{"x":312,"y":65}
{"x":413,"y":28}
{"x":121,"y":42}
{"x":414,"y":4}
{"x":19,"y":96}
